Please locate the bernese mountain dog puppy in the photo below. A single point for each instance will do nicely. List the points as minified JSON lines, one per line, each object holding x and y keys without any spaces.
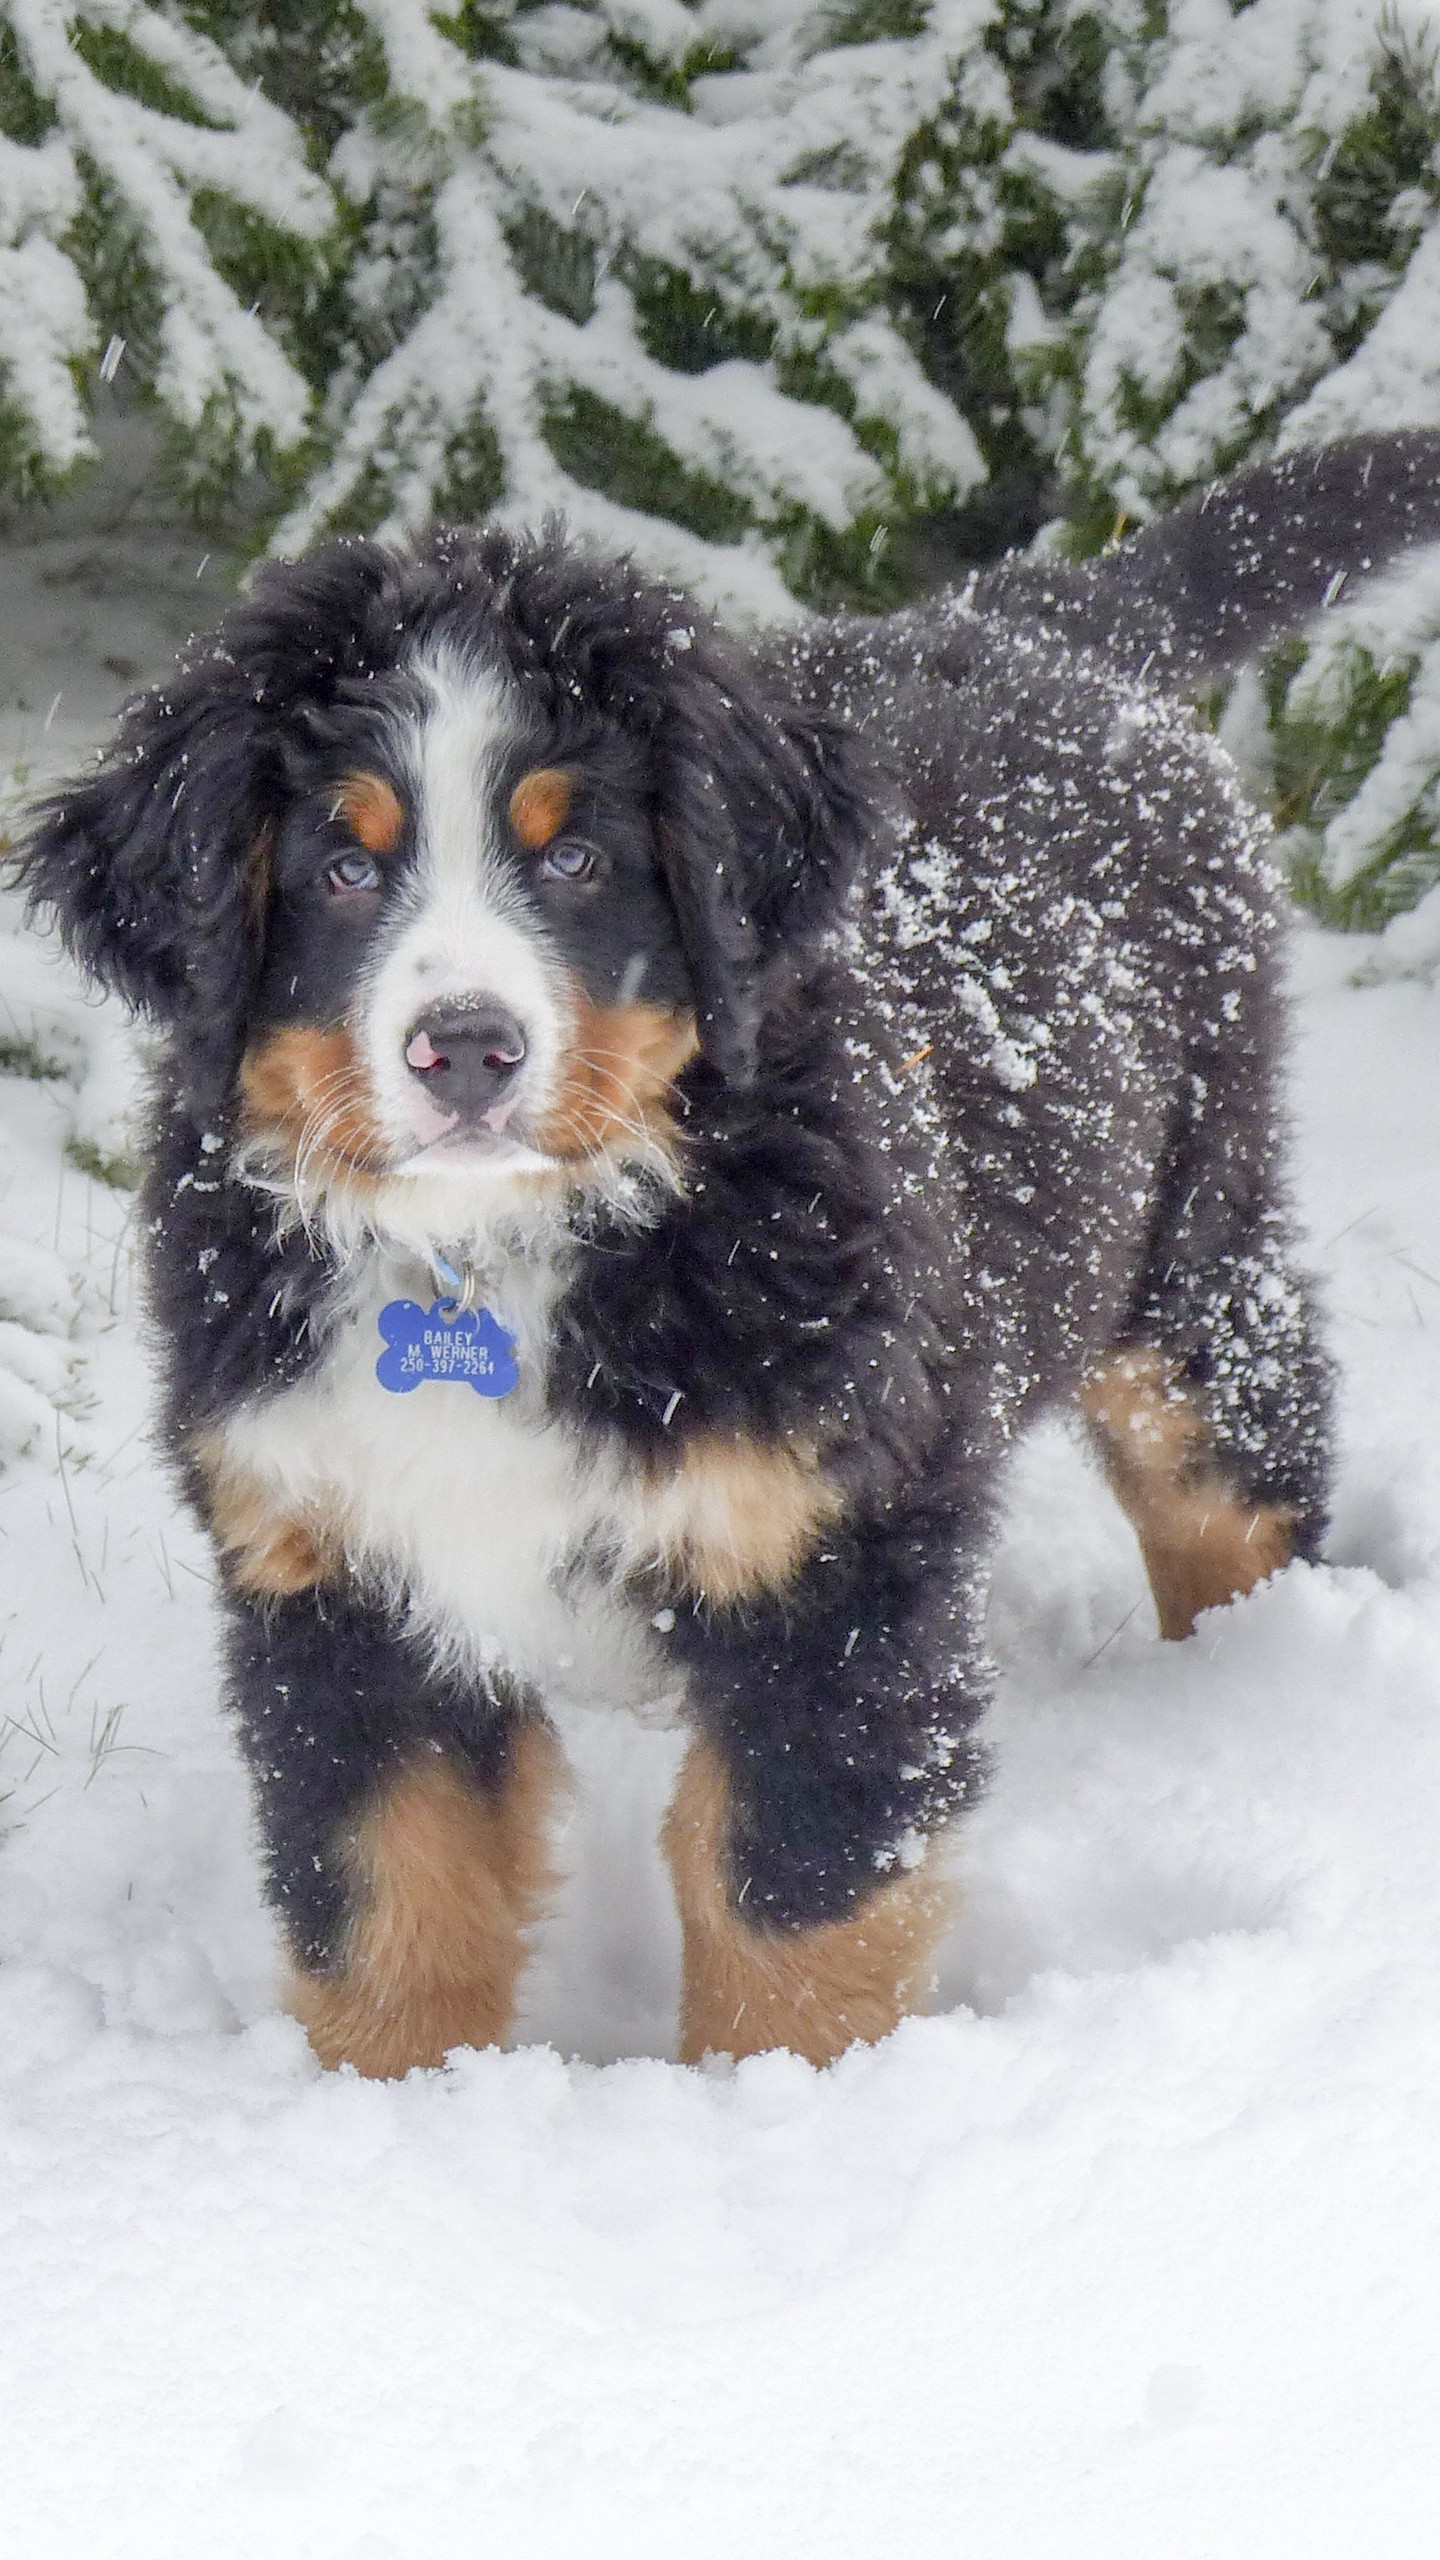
{"x":642,"y":1120}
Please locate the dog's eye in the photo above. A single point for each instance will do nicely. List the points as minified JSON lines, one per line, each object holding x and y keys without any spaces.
{"x":569,"y":862}
{"x":355,"y":871}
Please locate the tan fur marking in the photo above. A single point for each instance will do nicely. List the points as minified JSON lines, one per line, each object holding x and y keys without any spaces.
{"x":447,"y":1882}
{"x":270,"y":1552}
{"x":736,"y":1516}
{"x":372,"y":810}
{"x":1202,"y":1544}
{"x":540,"y":805}
{"x":620,"y":1063}
{"x":812,"y":1991}
{"x":306,"y":1087}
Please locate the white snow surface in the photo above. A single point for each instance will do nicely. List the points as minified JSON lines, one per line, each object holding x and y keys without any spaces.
{"x":1128,"y":2250}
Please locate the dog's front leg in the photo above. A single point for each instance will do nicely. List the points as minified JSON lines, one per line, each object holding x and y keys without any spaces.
{"x":403,"y":1815}
{"x":750,"y":1985}
{"x":834,"y":1741}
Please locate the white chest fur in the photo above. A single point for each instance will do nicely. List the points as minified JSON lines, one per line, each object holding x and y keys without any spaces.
{"x":492,"y":1519}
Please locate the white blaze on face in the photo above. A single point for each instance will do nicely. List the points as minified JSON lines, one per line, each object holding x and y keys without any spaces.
{"x":463,"y":935}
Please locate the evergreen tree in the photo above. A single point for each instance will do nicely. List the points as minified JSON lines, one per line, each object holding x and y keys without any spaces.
{"x":156,"y":209}
{"x":801,"y":298}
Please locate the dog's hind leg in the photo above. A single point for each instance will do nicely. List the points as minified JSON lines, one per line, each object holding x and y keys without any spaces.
{"x":1213,"y":1412}
{"x":1203,"y":1539}
{"x":404,"y":1816}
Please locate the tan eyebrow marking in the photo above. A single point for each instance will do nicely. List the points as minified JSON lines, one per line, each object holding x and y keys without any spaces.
{"x":539,"y":805}
{"x":371,"y":809}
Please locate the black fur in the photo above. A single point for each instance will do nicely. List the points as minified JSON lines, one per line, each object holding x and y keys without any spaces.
{"x":1250,"y":559}
{"x":983,"y":949}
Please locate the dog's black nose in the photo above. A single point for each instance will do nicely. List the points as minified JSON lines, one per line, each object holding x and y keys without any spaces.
{"x":465,"y":1056}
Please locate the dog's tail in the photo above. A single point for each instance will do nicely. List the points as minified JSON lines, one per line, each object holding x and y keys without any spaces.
{"x":1254,"y":558}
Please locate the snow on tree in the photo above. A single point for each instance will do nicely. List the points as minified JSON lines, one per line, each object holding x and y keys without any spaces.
{"x":1274,"y":280}
{"x":144,"y":188}
{"x":799,"y":298}
{"x":639,"y":301}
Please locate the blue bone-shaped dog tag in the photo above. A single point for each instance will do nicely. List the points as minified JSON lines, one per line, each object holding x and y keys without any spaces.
{"x":449,"y":1342}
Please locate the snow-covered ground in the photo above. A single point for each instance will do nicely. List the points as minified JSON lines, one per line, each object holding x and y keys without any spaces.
{"x":1130,"y":2250}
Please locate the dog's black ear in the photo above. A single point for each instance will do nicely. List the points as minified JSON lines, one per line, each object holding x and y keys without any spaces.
{"x":154,"y":864}
{"x":151,"y":865}
{"x":764,"y":805}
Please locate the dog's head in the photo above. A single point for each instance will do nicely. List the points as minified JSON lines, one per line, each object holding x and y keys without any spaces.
{"x":452,"y":860}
